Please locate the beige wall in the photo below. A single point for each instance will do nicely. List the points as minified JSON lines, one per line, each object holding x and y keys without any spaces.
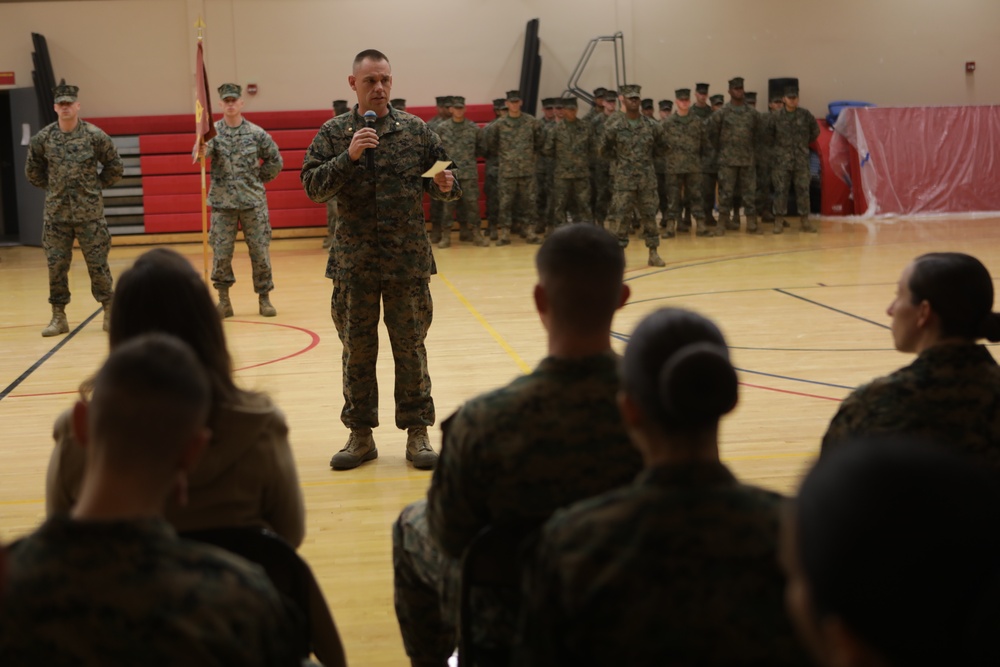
{"x":137,"y":56}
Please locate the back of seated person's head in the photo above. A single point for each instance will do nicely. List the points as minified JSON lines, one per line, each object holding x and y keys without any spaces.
{"x":580,"y":268}
{"x":163,"y":293}
{"x":677,"y":371}
{"x":150,"y":400}
{"x":892,"y":553}
{"x":959,"y":290}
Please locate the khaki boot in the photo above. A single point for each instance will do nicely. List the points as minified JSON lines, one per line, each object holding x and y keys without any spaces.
{"x":418,"y":448}
{"x":479,"y":240}
{"x":107,"y":316}
{"x":654,"y":258}
{"x":669,"y":230}
{"x":752,"y":227}
{"x":225,"y":307}
{"x":445,"y":241}
{"x":504,"y":237}
{"x":726,"y":222}
{"x":701,"y":229}
{"x":807,"y":225}
{"x":266,"y":309}
{"x":493,"y":232}
{"x":58,"y":325}
{"x":779,"y":224}
{"x":533,"y":238}
{"x":360,"y":447}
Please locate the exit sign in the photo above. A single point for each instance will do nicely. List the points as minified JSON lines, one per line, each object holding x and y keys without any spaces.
{"x":6,"y":78}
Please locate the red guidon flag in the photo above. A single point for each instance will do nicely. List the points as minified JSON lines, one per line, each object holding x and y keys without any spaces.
{"x":204,"y":127}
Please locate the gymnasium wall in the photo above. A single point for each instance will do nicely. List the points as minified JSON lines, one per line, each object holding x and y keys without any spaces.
{"x":134,"y":57}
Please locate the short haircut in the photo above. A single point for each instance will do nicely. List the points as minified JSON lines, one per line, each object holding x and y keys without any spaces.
{"x":581,"y":267}
{"x":677,"y":369}
{"x":369,"y":54}
{"x":150,"y":397}
{"x":960,"y":291}
{"x":898,"y":539}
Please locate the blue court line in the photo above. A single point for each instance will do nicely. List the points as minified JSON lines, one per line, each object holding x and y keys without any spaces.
{"x":48,"y":355}
{"x":836,"y":310}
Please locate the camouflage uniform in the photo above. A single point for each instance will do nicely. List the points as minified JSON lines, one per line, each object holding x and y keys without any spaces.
{"x":793,"y":132}
{"x":631,"y":147}
{"x":436,"y":209}
{"x":244,"y":158}
{"x":765,"y":160}
{"x":570,"y":146}
{"x":460,"y":141}
{"x":709,"y":166}
{"x":544,"y":170}
{"x":950,"y":393}
{"x":118,"y":592}
{"x":679,"y":568}
{"x":515,"y":141}
{"x":332,"y":215}
{"x":380,"y":252}
{"x":685,"y":142}
{"x":65,"y":165}
{"x":508,"y":457}
{"x":733,"y":132}
{"x":492,"y":176}
{"x":600,"y":179}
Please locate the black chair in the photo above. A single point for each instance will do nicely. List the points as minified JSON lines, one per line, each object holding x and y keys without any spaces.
{"x":491,"y":561}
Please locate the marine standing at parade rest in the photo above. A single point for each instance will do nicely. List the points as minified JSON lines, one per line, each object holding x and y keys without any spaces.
{"x":73,"y":161}
{"x":244,"y":157}
{"x":380,"y":254}
{"x":793,"y":129}
{"x":733,"y":131}
{"x":631,"y":142}
{"x":701,"y":109}
{"x":685,"y":140}
{"x":570,"y":145}
{"x":459,"y":137}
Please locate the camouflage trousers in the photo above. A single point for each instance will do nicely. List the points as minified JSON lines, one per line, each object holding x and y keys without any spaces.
{"x":332,"y":217}
{"x":684,"y":189}
{"x":491,"y":185}
{"x":544,"y":198}
{"x":95,"y":242}
{"x":602,"y":191}
{"x":765,"y":190}
{"x":436,"y":213}
{"x":256,"y":233}
{"x":709,"y":181}
{"x":782,"y":178}
{"x":640,"y":202}
{"x":572,"y":193}
{"x":466,"y":208}
{"x":662,"y":191}
{"x":733,"y":179}
{"x":520,"y":192}
{"x":355,"y":306}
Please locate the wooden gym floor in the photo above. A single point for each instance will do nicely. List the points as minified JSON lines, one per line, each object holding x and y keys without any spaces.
{"x":803,"y":313}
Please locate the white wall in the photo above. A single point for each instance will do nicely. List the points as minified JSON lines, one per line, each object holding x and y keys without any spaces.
{"x":137,"y":56}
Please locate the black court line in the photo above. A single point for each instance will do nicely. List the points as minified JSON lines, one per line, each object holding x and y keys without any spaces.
{"x":836,"y":310}
{"x":48,"y":355}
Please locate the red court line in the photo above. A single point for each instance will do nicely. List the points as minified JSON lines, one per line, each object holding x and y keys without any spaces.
{"x":788,"y":391}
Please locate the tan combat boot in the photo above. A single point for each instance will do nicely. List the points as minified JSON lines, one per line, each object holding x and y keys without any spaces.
{"x":654,"y":258}
{"x":669,"y":230}
{"x":107,"y":316}
{"x":445,"y":241}
{"x":225,"y":307}
{"x":779,"y":224}
{"x":504,"y":237}
{"x":418,"y":448}
{"x":478,"y":239}
{"x":360,"y":447}
{"x":700,"y":228}
{"x":265,"y":307}
{"x":807,"y":225}
{"x":58,"y":325}
{"x":752,"y":227}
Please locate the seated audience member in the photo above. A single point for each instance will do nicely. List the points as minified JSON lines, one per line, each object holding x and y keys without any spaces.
{"x":951,"y":391}
{"x":247,"y":476}
{"x":514,"y":455}
{"x":893,"y":558}
{"x":111,"y":583}
{"x":680,"y":567}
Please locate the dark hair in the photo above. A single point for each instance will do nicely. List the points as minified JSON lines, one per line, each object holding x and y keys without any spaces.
{"x":898,"y":539}
{"x":677,"y":368}
{"x":581,"y":267}
{"x":162,"y":292}
{"x":370,"y":54}
{"x":960,"y":290}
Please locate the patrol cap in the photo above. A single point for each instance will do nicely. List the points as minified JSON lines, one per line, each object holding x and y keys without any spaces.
{"x":647,"y":103}
{"x":736,"y":82}
{"x":228,"y":90}
{"x":398,"y":103}
{"x":64,"y":92}
{"x":568,"y":102}
{"x":666,"y":105}
{"x":681,"y":94}
{"x":750,"y":97}
{"x":457,"y":101}
{"x":559,"y":102}
{"x":792,"y":91}
{"x":717,"y":99}
{"x":775,"y":98}
{"x":498,"y":103}
{"x":701,"y":88}
{"x":340,"y":106}
{"x":548,"y":103}
{"x":513,"y":95}
{"x":441,"y":100}
{"x":630,"y":90}
{"x":610,"y":96}
{"x":599,"y":91}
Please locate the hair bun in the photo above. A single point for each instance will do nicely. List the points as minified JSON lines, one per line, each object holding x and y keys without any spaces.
{"x":697,"y":385}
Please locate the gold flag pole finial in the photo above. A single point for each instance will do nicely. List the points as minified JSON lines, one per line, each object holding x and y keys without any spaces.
{"x":200,"y":25}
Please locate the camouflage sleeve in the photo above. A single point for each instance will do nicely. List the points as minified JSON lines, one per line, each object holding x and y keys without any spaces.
{"x":549,"y":145}
{"x":268,"y":152}
{"x":491,"y":139}
{"x":713,"y":128}
{"x":660,"y":146}
{"x":481,"y":142}
{"x":436,"y":153}
{"x":107,"y":155}
{"x":539,"y":136}
{"x":606,"y":148}
{"x":539,"y":625}
{"x":37,"y":166}
{"x":325,"y":172}
{"x":813,"y":127}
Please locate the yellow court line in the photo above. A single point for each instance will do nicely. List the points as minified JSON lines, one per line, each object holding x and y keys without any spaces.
{"x":525,"y":368}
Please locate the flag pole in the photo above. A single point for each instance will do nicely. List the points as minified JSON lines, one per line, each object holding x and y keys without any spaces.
{"x":204,"y":194}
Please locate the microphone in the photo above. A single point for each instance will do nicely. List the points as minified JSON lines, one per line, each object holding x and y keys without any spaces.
{"x":370,"y":152}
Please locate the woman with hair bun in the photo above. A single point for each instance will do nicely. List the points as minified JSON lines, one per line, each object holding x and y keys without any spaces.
{"x":680,"y":567}
{"x":951,"y":391}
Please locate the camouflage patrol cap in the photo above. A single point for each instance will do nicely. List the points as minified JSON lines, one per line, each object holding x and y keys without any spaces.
{"x":498,"y":102}
{"x":457,"y":101}
{"x":398,"y":103}
{"x":666,"y":105}
{"x":599,"y":91}
{"x":701,"y":88}
{"x":717,"y":99}
{"x":340,"y":106}
{"x":750,"y":97}
{"x":775,"y":98}
{"x":441,"y":100}
{"x":548,"y":103}
{"x":681,"y":94}
{"x":230,"y":90}
{"x":559,"y":102}
{"x":736,"y":82}
{"x":647,"y":103}
{"x":513,"y":95}
{"x":610,"y":96}
{"x":64,"y":92}
{"x":792,"y":91}
{"x":630,"y":90}
{"x":567,"y":102}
